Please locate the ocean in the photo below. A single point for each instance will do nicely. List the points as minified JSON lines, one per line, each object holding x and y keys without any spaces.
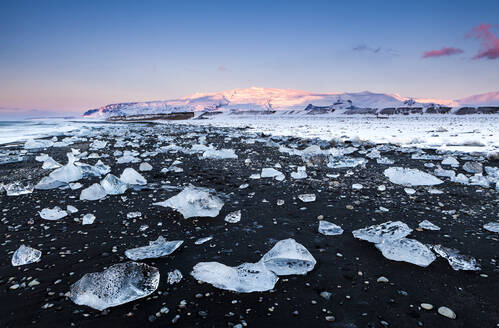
{"x":13,"y":131}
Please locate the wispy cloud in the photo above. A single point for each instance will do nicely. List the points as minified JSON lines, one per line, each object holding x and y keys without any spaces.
{"x":445,"y":51}
{"x":490,"y":43}
{"x":222,"y":69}
{"x":375,"y":50}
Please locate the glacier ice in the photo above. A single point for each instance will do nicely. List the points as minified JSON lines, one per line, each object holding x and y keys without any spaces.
{"x":457,"y":261}
{"x":427,"y":225}
{"x":18,"y":188}
{"x":38,"y":144}
{"x":219,"y":154}
{"x":174,"y":277}
{"x":71,"y":209}
{"x":88,"y":219}
{"x":132,"y":177}
{"x":307,"y":198}
{"x":49,"y":183}
{"x":473,"y":167}
{"x":53,"y":214}
{"x":144,"y":167}
{"x":492,"y":226}
{"x":288,"y":257}
{"x":157,"y":248}
{"x":94,"y":192}
{"x":50,"y":164}
{"x":233,"y":217}
{"x":245,"y":278}
{"x":410,"y":177}
{"x":120,"y":283}
{"x":193,"y":201}
{"x":329,"y":229}
{"x":113,"y":185}
{"x":343,"y":162}
{"x":270,"y":172}
{"x":25,"y":255}
{"x":67,"y":173}
{"x":452,"y":161}
{"x":203,"y":240}
{"x":407,"y":250}
{"x":389,"y":230}
{"x":300,"y":173}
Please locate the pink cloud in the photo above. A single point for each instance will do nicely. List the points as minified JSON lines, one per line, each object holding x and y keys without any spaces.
{"x":222,"y":69}
{"x":490,"y":43}
{"x":445,"y":51}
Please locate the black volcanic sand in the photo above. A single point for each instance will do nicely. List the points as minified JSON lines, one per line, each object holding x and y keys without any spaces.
{"x":346,"y":267}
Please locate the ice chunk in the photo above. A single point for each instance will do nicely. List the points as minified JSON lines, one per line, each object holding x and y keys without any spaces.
{"x":53,"y":214}
{"x":329,"y":229}
{"x":158,"y":248}
{"x":18,"y":188}
{"x":25,"y":255}
{"x":410,"y":177}
{"x":49,"y":183}
{"x":120,"y":283}
{"x":245,"y":278}
{"x":473,"y":167}
{"x":450,"y":161}
{"x":385,"y":231}
{"x":492,"y":226}
{"x":307,"y":198}
{"x":193,"y":201}
{"x":357,"y":186}
{"x":98,"y":144}
{"x":300,"y":173}
{"x":38,"y":143}
{"x":174,"y":277}
{"x":133,"y":215}
{"x":457,"y":261}
{"x":407,"y":250}
{"x":132,"y":177}
{"x":219,"y":153}
{"x":88,"y":219}
{"x":50,"y":164}
{"x":75,"y":185}
{"x":69,"y":172}
{"x":71,"y":209}
{"x":288,"y":257}
{"x":233,"y":217}
{"x":343,"y":162}
{"x":113,"y":185}
{"x":144,"y":166}
{"x":270,"y":172}
{"x":94,"y":192}
{"x":203,"y":240}
{"x":427,"y":225}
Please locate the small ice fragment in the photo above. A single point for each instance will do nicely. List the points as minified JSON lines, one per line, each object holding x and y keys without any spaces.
{"x":245,"y":278}
{"x":18,"y":188}
{"x":385,"y":231}
{"x":407,"y":250}
{"x":492,"y":226}
{"x":88,"y":219}
{"x":457,"y":261}
{"x":158,"y":248}
{"x":132,"y":177}
{"x":113,"y":185}
{"x":75,"y":185}
{"x":357,"y":186}
{"x":329,"y":229}
{"x":255,"y":176}
{"x":193,"y":201}
{"x":133,"y":215}
{"x":94,"y":192}
{"x":71,"y":209}
{"x":219,"y":154}
{"x":307,"y":198}
{"x":288,"y":257}
{"x":38,"y":143}
{"x":450,"y":161}
{"x":300,"y":173}
{"x":144,"y":167}
{"x":427,"y":225}
{"x":233,"y":217}
{"x":410,"y":177}
{"x":52,"y":214}
{"x":203,"y":240}
{"x":244,"y":186}
{"x":473,"y":167}
{"x":270,"y":172}
{"x":409,"y":191}
{"x":50,"y":164}
{"x":381,"y":188}
{"x":120,"y":283}
{"x":174,"y":277}
{"x":25,"y":255}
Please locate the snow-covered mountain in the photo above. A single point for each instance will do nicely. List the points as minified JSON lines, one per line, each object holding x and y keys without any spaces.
{"x":259,"y":99}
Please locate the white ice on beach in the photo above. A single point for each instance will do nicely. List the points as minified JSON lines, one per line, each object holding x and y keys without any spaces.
{"x":449,"y":160}
{"x":344,"y":162}
{"x":174,"y":277}
{"x":94,"y":192}
{"x":270,"y":172}
{"x":112,"y":185}
{"x":67,"y":173}
{"x":53,"y":214}
{"x":71,"y":209}
{"x":88,"y":219}
{"x":492,"y":226}
{"x":50,"y":164}
{"x":411,"y":177}
{"x":25,"y":255}
{"x":120,"y":283}
{"x":457,"y":261}
{"x":145,"y":167}
{"x":245,"y":278}
{"x":427,"y":225}
{"x":300,"y":173}
{"x":233,"y":217}
{"x":193,"y":201}
{"x":329,"y":229}
{"x":38,"y":144}
{"x":219,"y":154}
{"x":307,"y":198}
{"x":157,"y":248}
{"x":18,"y":188}
{"x":203,"y":240}
{"x":288,"y":257}
{"x":407,"y":250}
{"x":132,"y":177}
{"x":385,"y":231}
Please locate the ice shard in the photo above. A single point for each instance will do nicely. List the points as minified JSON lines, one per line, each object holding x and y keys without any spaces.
{"x":25,"y":255}
{"x":158,"y":248}
{"x":288,"y":257}
{"x":385,"y":231}
{"x":407,"y":250}
{"x":94,"y":192}
{"x":69,"y":172}
{"x":53,"y":214}
{"x":411,"y":177}
{"x":329,"y":229}
{"x":427,"y":225}
{"x":457,"y":261}
{"x":113,"y":185}
{"x":132,"y":177}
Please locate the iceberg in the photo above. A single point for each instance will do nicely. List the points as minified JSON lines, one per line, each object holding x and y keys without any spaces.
{"x":112,"y":185}
{"x":457,"y":261}
{"x":245,"y":278}
{"x":158,"y":248}
{"x":410,"y":177}
{"x":25,"y":255}
{"x":68,"y":173}
{"x":329,"y":229}
{"x":288,"y":257}
{"x":17,"y":188}
{"x":120,"y":283}
{"x":94,"y":192}
{"x":53,"y":214}
{"x":132,"y":177}
{"x":50,"y":164}
{"x":385,"y":231}
{"x":407,"y":250}
{"x":193,"y":201}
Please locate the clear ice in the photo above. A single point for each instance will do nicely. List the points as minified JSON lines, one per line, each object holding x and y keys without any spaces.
{"x":132,"y":177}
{"x":113,"y":185}
{"x":385,"y":231}
{"x":407,"y":250}
{"x":25,"y":255}
{"x":288,"y":257}
{"x":329,"y":229}
{"x":457,"y":261}
{"x":233,"y":217}
{"x":53,"y":214}
{"x":94,"y":192}
{"x":158,"y":248}
{"x":411,"y":177}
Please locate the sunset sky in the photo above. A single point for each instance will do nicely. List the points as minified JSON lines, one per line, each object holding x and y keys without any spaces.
{"x":74,"y":55}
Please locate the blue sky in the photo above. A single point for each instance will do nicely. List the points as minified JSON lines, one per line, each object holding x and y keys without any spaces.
{"x":75,"y":55}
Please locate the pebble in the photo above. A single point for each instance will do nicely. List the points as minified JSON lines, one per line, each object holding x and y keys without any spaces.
{"x":426,"y":306}
{"x":330,"y":318}
{"x":382,"y":279}
{"x":446,"y":312}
